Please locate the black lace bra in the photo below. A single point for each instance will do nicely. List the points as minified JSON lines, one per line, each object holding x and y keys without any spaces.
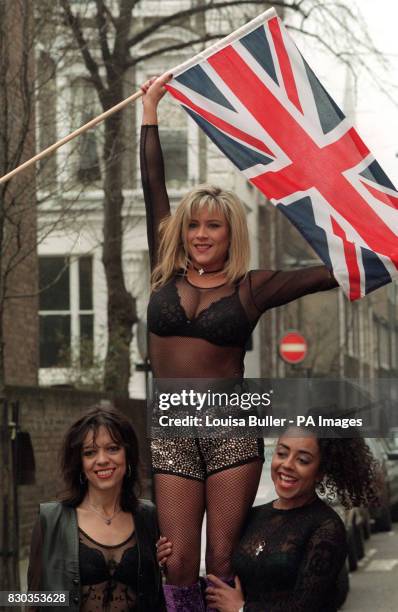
{"x":108,"y":575}
{"x":223,"y":322}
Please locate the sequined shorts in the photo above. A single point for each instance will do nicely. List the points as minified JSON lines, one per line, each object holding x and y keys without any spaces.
{"x":198,"y":458}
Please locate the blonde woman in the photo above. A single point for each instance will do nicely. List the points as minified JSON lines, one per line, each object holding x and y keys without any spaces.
{"x":204,"y":305}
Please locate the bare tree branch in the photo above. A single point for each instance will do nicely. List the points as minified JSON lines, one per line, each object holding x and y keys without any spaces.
{"x":195,"y":10}
{"x":123,"y":29}
{"x":176,"y":47}
{"x":90,"y":63}
{"x":102,"y":27}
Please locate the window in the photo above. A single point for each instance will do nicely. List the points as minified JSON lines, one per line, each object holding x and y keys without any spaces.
{"x":352,"y":330}
{"x":47,"y":117}
{"x":83,"y":3}
{"x":86,"y":313}
{"x":66,"y":312}
{"x":55,"y":333}
{"x":383,"y":344}
{"x":88,"y":169}
{"x":394,"y":348}
{"x":175,"y":152}
{"x":85,"y":107}
{"x":173,"y":134}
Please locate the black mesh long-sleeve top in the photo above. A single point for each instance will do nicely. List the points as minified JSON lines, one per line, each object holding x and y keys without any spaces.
{"x":202,"y":332}
{"x":289,"y":560}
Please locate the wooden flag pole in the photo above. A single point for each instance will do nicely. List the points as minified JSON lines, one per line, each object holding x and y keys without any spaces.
{"x":248,"y":27}
{"x":70,"y":136}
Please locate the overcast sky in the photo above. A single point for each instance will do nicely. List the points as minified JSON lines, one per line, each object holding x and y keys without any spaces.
{"x":376,"y":118}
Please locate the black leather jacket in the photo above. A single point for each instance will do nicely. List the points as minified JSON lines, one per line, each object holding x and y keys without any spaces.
{"x":54,"y":557}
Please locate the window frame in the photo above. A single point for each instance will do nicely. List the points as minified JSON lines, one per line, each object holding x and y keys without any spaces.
{"x":192,"y":137}
{"x":84,"y":101}
{"x":74,"y":312}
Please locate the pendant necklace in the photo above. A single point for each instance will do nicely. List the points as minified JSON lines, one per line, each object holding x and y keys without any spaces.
{"x":201,"y":271}
{"x":260,"y":548}
{"x":107,"y":519}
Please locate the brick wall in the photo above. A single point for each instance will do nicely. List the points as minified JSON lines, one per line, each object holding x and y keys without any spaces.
{"x":46,"y":413}
{"x":18,"y":247}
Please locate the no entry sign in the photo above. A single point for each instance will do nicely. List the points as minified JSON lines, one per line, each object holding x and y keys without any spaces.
{"x":293,"y":347}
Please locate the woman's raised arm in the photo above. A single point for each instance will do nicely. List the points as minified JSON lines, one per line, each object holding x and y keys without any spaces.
{"x":152,"y":164}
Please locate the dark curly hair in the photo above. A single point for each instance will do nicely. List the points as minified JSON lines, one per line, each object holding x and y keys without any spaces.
{"x":122,"y":432}
{"x":348,"y":466}
{"x":349,"y":471}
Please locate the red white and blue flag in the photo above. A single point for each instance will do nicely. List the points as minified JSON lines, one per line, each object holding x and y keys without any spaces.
{"x":258,"y":100}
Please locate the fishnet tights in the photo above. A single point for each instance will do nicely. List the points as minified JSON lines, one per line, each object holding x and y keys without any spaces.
{"x":181,"y":504}
{"x":226,"y":496}
{"x":229,"y":496}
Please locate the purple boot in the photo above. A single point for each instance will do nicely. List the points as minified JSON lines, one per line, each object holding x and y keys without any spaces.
{"x":184,"y":599}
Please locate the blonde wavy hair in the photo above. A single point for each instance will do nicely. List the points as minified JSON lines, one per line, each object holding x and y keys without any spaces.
{"x":173,"y":248}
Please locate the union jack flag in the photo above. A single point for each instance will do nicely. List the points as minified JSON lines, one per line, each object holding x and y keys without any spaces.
{"x":258,"y":100}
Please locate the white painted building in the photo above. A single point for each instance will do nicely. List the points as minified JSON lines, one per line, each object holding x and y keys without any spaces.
{"x":73,"y":307}
{"x":73,"y":310}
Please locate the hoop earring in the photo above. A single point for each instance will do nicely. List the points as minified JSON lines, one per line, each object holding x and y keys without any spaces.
{"x":82,"y":478}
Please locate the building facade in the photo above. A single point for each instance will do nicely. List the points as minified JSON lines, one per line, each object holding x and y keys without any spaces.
{"x":344,"y":339}
{"x":73,"y":303}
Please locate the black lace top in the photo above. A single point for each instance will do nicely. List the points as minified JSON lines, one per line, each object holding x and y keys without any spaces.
{"x":115,"y":578}
{"x":289,"y":560}
{"x":206,"y":330}
{"x":108,"y":575}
